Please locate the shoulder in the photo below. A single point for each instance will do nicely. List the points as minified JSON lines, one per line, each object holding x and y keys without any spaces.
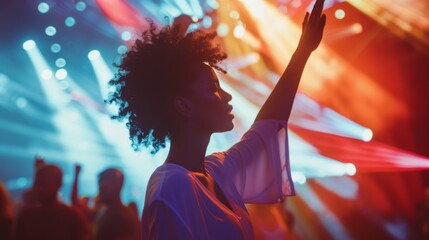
{"x":169,"y":180}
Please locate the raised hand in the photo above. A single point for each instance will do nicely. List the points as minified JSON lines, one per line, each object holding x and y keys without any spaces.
{"x":77,"y":169}
{"x":312,"y":28}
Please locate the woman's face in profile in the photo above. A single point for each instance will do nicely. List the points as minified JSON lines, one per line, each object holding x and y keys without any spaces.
{"x":210,"y":103}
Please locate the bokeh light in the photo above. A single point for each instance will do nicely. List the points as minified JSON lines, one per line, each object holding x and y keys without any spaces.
{"x":50,"y":31}
{"x":61,"y":74}
{"x":126,"y":35}
{"x":207,"y":21}
{"x":70,"y":21}
{"x":340,"y":14}
{"x":222,"y":29}
{"x":21,"y":102}
{"x":55,"y":48}
{"x":60,"y":62}
{"x":234,"y":14}
{"x":122,"y":49}
{"x":43,"y":7}
{"x":239,"y":31}
{"x":80,"y":6}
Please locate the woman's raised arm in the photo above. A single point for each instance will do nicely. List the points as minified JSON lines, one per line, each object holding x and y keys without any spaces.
{"x":279,"y":104}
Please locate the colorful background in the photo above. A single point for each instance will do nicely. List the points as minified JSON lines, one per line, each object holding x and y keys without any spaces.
{"x":359,"y":131}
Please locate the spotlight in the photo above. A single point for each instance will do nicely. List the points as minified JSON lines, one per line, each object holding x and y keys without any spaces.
{"x":46,"y":74}
{"x":28,"y":45}
{"x":350,"y":169}
{"x":367,"y":135}
{"x":93,"y":55}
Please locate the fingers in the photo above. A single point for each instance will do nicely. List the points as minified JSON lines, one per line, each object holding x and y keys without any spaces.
{"x":304,"y":23}
{"x":317,"y":11}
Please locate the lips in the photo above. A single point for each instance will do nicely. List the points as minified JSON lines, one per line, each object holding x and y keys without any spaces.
{"x":229,"y":109}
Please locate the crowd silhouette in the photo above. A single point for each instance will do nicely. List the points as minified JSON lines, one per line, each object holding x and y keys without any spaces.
{"x":42,"y":215}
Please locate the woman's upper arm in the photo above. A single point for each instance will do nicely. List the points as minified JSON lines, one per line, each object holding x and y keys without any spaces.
{"x":161,"y":222}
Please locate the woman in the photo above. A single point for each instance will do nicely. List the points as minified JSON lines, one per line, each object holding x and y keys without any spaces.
{"x":167,"y":89}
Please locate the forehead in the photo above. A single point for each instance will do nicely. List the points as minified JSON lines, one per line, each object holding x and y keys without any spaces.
{"x":204,"y":74}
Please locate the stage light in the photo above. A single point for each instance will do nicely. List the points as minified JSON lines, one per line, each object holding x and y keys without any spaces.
{"x":93,"y":55}
{"x":213,"y":4}
{"x":28,"y":45}
{"x":60,"y":62}
{"x":234,"y":14}
{"x":43,"y":7}
{"x":50,"y":31}
{"x":122,"y":49}
{"x":55,"y":48}
{"x":46,"y":74}
{"x":102,"y":72}
{"x":350,"y":169}
{"x":195,"y":19}
{"x":21,"y":102}
{"x":61,"y":74}
{"x":207,"y":21}
{"x":299,"y":177}
{"x":340,"y":14}
{"x":239,"y":31}
{"x":344,"y":186}
{"x":329,"y":221}
{"x":80,"y":6}
{"x":126,"y":36}
{"x":222,"y":29}
{"x":70,"y":21}
{"x":367,"y":135}
{"x":356,"y":28}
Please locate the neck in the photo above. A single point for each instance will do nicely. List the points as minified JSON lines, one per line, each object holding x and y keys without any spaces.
{"x":188,"y":149}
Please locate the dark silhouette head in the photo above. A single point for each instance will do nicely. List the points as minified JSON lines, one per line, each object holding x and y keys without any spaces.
{"x":110,"y":183}
{"x":48,"y":180}
{"x":163,"y":82}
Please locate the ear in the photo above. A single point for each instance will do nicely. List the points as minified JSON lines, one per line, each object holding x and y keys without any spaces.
{"x":183,"y":106}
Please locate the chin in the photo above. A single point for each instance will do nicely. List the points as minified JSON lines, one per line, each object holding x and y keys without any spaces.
{"x":228,"y":126}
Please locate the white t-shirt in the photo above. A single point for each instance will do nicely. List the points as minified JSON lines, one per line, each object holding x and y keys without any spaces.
{"x":255,"y":170}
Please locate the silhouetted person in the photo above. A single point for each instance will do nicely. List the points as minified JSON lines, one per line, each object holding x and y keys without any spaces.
{"x":6,"y":213}
{"x":47,"y":218}
{"x":29,"y":196}
{"x":114,"y":220}
{"x":82,"y":203}
{"x":167,"y":89}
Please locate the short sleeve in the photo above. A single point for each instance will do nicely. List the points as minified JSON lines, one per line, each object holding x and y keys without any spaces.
{"x":258,"y":164}
{"x":160,"y":222}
